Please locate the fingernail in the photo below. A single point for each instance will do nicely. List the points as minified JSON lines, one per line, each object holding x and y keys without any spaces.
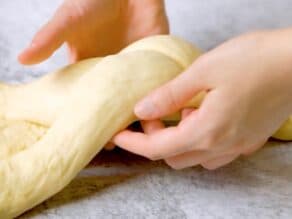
{"x":144,"y":108}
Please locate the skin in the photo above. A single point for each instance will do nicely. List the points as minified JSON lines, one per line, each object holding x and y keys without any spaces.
{"x":92,"y":21}
{"x":93,"y":28}
{"x":248,"y":80}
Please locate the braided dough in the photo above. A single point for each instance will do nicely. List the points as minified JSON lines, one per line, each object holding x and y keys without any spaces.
{"x":50,"y":129}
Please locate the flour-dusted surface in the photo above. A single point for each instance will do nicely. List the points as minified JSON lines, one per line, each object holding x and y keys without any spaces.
{"x":255,"y":187}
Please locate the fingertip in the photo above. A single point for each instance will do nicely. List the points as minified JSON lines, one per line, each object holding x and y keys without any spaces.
{"x":21,"y":58}
{"x":31,"y":55}
{"x":43,"y":45}
{"x":109,"y":146}
{"x":120,"y":137}
{"x":131,"y":141}
{"x":25,"y":56}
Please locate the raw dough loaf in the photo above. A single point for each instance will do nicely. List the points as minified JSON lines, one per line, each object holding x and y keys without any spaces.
{"x":50,"y":129}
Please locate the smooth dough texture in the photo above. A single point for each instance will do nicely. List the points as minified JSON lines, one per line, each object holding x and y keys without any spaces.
{"x":51,"y":128}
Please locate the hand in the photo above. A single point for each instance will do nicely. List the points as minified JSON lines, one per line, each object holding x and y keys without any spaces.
{"x":249,"y":84}
{"x":96,"y":28}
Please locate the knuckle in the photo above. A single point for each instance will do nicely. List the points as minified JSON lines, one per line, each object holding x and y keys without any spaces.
{"x":209,"y":166}
{"x":153,"y":156}
{"x":174,"y":165}
{"x":210,"y":140}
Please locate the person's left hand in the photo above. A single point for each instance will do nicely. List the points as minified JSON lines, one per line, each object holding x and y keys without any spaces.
{"x":248,"y":80}
{"x":93,"y":28}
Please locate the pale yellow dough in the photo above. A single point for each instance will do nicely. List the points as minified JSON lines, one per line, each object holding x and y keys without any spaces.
{"x":51,"y":128}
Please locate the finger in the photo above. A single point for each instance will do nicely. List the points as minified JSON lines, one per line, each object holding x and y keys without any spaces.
{"x":172,"y":96}
{"x":50,"y":37}
{"x":194,"y":158}
{"x":192,"y":133}
{"x":152,"y":126}
{"x":186,"y":112}
{"x":250,"y":150}
{"x":188,"y":159}
{"x":109,"y":146}
{"x":219,"y":162}
{"x":163,"y":143}
{"x":206,"y":131}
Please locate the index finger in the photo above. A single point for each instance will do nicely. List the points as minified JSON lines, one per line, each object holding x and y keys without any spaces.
{"x":163,"y":143}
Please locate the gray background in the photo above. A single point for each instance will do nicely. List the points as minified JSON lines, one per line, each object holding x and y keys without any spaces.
{"x":256,"y":187}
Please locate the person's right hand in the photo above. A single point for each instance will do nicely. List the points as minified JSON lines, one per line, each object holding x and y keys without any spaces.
{"x":96,"y":28}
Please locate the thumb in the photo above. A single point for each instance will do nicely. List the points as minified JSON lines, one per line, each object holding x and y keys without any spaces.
{"x":171,"y":97}
{"x":49,"y":38}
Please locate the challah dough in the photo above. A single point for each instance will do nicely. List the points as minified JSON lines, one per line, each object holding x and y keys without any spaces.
{"x":51,"y":128}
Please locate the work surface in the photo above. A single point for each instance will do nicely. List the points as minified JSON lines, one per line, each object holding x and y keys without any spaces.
{"x":118,"y":185}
